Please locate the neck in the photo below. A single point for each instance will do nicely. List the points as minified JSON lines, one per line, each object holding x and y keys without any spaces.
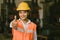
{"x":25,"y":20}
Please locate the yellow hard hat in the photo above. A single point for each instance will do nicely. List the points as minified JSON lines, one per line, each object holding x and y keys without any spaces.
{"x":23,"y":6}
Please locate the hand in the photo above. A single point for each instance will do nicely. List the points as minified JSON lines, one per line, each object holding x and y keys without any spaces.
{"x":14,"y":22}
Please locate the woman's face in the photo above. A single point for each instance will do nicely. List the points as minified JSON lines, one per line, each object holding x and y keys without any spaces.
{"x":23,"y":15}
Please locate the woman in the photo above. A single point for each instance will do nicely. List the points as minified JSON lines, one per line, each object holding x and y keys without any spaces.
{"x":23,"y":28}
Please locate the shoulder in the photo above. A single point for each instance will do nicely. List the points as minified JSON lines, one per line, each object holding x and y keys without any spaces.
{"x":33,"y":24}
{"x":18,"y":21}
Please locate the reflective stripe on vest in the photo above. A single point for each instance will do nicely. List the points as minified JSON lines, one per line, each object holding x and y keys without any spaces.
{"x":22,"y":30}
{"x":29,"y":31}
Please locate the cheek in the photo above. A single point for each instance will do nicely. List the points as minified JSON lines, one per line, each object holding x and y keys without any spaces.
{"x":26,"y":15}
{"x":19,"y":15}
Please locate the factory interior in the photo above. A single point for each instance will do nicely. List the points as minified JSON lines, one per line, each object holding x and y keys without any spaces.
{"x":44,"y":13}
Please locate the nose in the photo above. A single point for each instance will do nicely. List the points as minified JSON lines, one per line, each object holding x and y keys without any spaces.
{"x":22,"y":12}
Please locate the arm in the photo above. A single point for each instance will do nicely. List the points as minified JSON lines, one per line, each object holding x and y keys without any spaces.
{"x":35,"y":34}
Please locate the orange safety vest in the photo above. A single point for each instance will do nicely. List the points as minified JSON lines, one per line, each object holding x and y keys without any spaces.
{"x":21,"y":34}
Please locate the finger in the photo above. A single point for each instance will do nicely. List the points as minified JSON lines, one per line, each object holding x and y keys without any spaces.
{"x":15,"y":17}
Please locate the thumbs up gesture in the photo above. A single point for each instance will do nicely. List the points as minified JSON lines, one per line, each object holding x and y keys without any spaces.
{"x":14,"y":22}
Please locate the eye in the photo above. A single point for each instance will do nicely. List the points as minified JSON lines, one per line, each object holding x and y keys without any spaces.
{"x":22,"y":11}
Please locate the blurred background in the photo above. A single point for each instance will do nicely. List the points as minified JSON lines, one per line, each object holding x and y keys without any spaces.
{"x":45,"y":13}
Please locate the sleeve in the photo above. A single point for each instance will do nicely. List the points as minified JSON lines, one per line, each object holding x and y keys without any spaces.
{"x":11,"y":24}
{"x":35,"y":33}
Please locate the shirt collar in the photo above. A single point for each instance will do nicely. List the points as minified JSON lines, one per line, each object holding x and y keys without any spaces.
{"x":27,"y":22}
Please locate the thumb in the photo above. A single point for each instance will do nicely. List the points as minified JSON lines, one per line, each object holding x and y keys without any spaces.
{"x":15,"y":18}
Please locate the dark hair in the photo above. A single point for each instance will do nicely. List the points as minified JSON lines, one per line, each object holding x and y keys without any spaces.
{"x":24,"y":10}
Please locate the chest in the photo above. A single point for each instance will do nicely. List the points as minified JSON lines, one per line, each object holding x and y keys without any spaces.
{"x":25,"y":26}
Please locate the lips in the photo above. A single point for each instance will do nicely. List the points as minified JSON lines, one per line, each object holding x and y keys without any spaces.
{"x":23,"y":16}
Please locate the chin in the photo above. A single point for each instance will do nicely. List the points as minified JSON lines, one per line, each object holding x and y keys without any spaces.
{"x":23,"y":18}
